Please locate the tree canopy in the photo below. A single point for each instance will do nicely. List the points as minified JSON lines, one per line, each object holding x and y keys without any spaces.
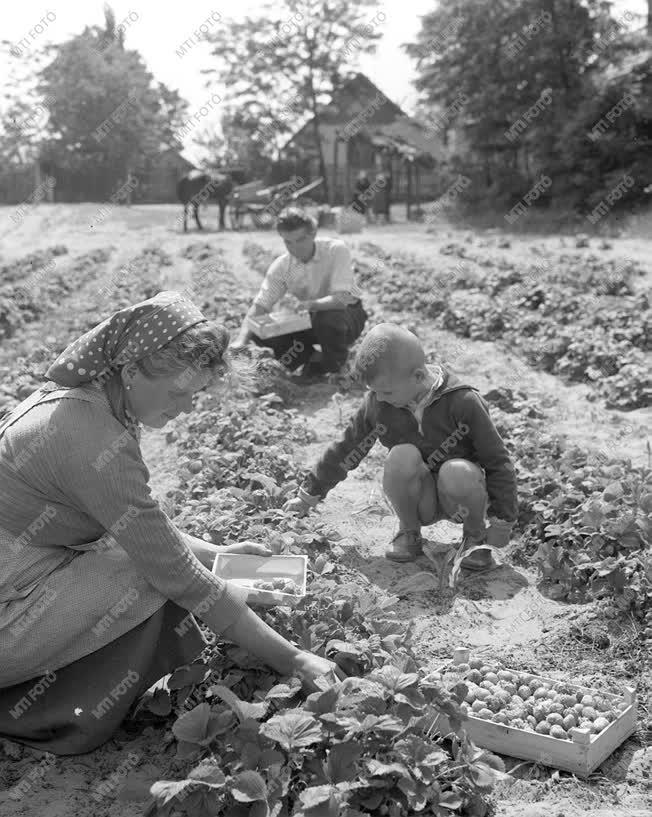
{"x":282,"y":65}
{"x":87,"y":81}
{"x":482,"y":64}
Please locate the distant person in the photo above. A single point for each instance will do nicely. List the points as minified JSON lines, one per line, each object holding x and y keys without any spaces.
{"x":319,"y":272}
{"x":446,"y":459}
{"x":383,"y":196}
{"x":360,"y":200}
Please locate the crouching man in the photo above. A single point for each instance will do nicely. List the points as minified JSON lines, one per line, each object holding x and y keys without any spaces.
{"x":318,"y":272}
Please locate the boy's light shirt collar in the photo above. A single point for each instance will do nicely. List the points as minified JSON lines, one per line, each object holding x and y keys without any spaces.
{"x":417,"y":408}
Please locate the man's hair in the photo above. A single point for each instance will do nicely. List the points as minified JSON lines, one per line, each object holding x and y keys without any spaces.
{"x":294,"y":218}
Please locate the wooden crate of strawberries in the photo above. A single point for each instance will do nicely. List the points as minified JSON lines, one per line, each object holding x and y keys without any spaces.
{"x":526,"y":716}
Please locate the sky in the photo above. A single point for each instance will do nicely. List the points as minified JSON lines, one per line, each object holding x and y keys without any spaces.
{"x":157,"y":29}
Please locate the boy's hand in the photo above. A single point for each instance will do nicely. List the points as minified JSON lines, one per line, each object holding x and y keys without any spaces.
{"x":498,"y":533}
{"x":298,"y":506}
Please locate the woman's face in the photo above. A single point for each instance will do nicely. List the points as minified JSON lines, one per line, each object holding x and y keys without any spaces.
{"x":155,"y":401}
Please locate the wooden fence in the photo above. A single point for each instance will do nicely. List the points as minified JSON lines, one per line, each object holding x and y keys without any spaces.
{"x":25,"y":183}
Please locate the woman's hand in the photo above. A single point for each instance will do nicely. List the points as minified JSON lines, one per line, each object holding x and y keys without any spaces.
{"x":309,"y":667}
{"x":252,"y":548}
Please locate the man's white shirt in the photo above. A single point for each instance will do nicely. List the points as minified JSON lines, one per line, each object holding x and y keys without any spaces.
{"x":328,"y":272}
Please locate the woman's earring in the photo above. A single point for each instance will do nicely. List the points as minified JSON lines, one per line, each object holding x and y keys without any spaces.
{"x":128,"y":387}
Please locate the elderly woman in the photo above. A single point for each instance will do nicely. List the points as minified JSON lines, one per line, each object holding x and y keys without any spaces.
{"x":97,"y":586}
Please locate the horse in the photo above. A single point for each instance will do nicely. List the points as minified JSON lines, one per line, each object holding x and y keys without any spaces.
{"x":197,"y":187}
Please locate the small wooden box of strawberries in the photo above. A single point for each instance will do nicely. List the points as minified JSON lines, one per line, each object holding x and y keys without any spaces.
{"x":526,"y":716}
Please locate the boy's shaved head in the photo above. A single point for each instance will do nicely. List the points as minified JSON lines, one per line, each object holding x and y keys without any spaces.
{"x":389,"y":349}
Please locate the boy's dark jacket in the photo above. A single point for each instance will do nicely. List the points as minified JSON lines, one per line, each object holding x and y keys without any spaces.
{"x":456,"y":423}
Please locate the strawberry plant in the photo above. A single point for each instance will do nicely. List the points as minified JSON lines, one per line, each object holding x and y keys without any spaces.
{"x":44,"y":324}
{"x":367,"y":746}
{"x":579,"y":318}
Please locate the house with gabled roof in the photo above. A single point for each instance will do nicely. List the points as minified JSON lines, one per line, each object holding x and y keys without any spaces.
{"x":362,"y":129}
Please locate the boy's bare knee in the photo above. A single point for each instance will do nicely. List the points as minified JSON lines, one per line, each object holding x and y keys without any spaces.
{"x":460,"y":477}
{"x":404,"y":461}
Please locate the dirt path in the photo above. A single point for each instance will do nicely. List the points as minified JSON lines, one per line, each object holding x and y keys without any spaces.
{"x":501,"y":611}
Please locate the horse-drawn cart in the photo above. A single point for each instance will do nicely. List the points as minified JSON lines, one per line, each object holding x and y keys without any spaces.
{"x":263,"y":204}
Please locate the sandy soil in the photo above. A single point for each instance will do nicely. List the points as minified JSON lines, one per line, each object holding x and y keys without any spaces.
{"x":502,"y":609}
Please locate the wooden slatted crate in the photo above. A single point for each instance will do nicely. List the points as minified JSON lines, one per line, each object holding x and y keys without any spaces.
{"x":582,"y":755}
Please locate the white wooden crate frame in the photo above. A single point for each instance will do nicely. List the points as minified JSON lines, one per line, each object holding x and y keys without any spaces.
{"x":582,"y":755}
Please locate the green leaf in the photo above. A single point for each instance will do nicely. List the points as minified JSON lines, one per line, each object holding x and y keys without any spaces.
{"x":316,"y":795}
{"x":450,"y":800}
{"x":343,"y":648}
{"x":342,"y":759}
{"x":292,"y":729}
{"x":186,"y":750}
{"x":267,"y":482}
{"x":378,"y":769}
{"x":166,"y":791}
{"x":242,"y":709}
{"x":282,"y":691}
{"x":482,"y":775}
{"x":393,"y":679}
{"x":321,"y":801}
{"x":160,"y":703}
{"x":208,"y":772}
{"x":187,"y":676}
{"x":200,"y":725}
{"x":248,"y":786}
{"x":613,"y":492}
{"x":322,"y":702}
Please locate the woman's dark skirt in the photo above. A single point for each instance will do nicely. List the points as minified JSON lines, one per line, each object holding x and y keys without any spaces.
{"x":79,"y":707}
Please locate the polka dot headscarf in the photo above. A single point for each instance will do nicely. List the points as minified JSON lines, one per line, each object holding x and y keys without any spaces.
{"x":128,"y":335}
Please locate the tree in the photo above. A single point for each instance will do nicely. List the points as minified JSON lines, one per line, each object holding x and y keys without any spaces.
{"x":281,"y":67}
{"x":500,"y":57}
{"x":24,"y":113}
{"x":234,"y":145}
{"x":106,"y":109}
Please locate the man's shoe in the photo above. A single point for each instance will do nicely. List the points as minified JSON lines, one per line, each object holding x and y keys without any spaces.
{"x":406,"y":546}
{"x":311,"y":373}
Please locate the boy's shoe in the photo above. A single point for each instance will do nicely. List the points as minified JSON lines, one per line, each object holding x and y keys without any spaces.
{"x":479,"y":560}
{"x":406,"y":546}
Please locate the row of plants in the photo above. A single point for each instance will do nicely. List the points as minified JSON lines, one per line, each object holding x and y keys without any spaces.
{"x":585,"y":518}
{"x":223,"y":705}
{"x":53,"y":319}
{"x":576,"y":317}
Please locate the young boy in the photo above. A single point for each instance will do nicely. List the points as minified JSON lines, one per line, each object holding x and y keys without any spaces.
{"x":319,"y":273}
{"x":446,"y":460}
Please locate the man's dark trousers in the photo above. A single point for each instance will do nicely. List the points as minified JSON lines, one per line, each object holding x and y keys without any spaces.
{"x":335,"y":330}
